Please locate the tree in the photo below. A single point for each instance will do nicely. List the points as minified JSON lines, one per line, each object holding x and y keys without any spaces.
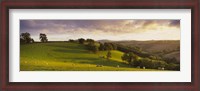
{"x":146,"y":62}
{"x":71,"y":40}
{"x":162,"y":63}
{"x":43,"y":37}
{"x":32,"y":41}
{"x":138,"y":48}
{"x":136,"y":62}
{"x":171,"y":66}
{"x":130,"y":58}
{"x":22,"y":41}
{"x":108,"y":55}
{"x":25,"y":38}
{"x":124,"y":57}
{"x":108,"y":46}
{"x":153,"y":57}
{"x":101,"y":47}
{"x":81,"y":40}
{"x":94,"y":48}
{"x":114,"y":46}
{"x":90,"y":41}
{"x":171,"y":60}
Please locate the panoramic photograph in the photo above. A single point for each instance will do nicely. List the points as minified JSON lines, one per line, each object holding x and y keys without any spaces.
{"x":100,"y":45}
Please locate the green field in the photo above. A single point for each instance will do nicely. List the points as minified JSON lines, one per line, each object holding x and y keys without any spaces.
{"x":66,"y":56}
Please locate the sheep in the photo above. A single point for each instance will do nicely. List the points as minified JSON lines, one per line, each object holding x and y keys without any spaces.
{"x":138,"y":66}
{"x":163,"y":68}
{"x":99,"y":65}
{"x":102,"y":56}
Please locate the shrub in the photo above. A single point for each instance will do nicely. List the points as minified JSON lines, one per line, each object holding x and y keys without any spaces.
{"x":81,"y":40}
{"x":92,"y":47}
{"x":173,"y":66}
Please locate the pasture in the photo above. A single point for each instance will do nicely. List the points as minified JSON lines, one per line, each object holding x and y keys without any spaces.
{"x":65,"y":56}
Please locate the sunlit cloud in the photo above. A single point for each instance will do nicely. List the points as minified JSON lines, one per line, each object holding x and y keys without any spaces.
{"x":61,"y":30}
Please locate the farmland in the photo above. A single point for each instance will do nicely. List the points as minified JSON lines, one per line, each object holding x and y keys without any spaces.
{"x":100,"y":45}
{"x":66,"y":56}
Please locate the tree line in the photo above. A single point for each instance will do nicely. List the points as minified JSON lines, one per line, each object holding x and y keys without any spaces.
{"x":25,"y":38}
{"x":95,"y":46}
{"x":136,"y":61}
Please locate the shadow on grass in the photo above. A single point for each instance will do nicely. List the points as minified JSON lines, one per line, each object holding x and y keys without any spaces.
{"x":67,"y":45}
{"x":59,"y":46}
{"x":70,"y":50}
{"x":77,"y":48}
{"x":95,"y":61}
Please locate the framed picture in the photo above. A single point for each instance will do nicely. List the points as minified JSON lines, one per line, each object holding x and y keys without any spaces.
{"x":100,"y":45}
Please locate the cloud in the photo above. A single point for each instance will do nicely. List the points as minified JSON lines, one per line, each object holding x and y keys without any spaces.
{"x":175,"y":23}
{"x":96,"y":27}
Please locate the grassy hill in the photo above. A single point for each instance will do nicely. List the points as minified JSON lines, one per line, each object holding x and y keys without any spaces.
{"x":154,"y":45}
{"x":166,"y":48}
{"x":175,"y":54}
{"x":65,"y":56}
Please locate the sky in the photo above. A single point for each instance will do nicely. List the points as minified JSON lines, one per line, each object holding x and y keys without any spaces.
{"x":63,"y":30}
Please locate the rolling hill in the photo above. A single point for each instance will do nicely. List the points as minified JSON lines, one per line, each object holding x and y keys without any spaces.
{"x":153,"y":46}
{"x":166,"y":48}
{"x":65,"y":56}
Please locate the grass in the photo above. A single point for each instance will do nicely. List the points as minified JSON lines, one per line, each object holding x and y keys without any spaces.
{"x":69,"y":57}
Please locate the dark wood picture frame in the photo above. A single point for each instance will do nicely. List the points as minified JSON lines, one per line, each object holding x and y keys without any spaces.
{"x":103,"y":4}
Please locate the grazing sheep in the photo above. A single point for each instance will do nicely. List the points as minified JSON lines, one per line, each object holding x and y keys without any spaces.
{"x":143,"y":67}
{"x":99,"y":65}
{"x":163,"y":68}
{"x":101,"y":56}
